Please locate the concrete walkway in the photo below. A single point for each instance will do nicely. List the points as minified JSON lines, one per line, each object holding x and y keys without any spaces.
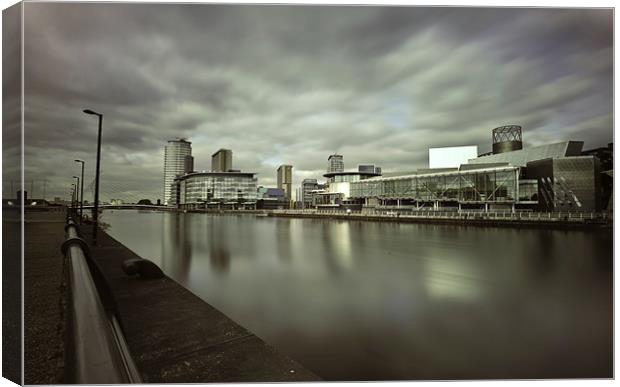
{"x":175,"y":337}
{"x":44,"y":297}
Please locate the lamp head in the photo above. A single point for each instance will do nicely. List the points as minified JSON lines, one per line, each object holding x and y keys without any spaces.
{"x":88,"y":111}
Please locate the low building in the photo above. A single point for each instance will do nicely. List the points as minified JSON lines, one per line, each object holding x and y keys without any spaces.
{"x":271,"y":199}
{"x":309,"y":187}
{"x":485,"y":187}
{"x":337,"y":190}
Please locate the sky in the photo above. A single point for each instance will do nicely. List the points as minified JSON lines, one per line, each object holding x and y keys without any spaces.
{"x":292,"y":84}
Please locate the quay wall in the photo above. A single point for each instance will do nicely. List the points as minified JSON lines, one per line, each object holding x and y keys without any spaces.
{"x":573,"y":220}
{"x":542,"y":221}
{"x":176,"y":337}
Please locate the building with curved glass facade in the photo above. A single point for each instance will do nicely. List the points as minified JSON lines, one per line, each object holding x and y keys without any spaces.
{"x":204,"y":189}
{"x":473,"y":186}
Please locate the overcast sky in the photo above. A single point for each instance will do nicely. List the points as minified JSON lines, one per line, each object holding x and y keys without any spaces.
{"x":293,"y":84}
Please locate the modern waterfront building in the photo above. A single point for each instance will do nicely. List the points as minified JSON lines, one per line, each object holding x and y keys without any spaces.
{"x":309,"y":188}
{"x":451,"y":157}
{"x":285,"y":180}
{"x":551,"y":177}
{"x":307,"y":185}
{"x":271,"y":198}
{"x":177,"y":161}
{"x":221,"y":161}
{"x":483,"y":186}
{"x":567,"y":183}
{"x":337,"y":189}
{"x":216,"y":190}
{"x":335,"y":163}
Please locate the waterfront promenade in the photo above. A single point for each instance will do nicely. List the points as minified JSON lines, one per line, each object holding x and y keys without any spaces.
{"x":175,"y":337}
{"x":172,"y":334}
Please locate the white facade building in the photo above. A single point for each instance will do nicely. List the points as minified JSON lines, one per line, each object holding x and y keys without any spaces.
{"x":451,"y":157}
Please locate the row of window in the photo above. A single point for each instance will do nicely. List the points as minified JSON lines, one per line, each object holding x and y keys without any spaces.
{"x":474,"y":187}
{"x":217,"y":188}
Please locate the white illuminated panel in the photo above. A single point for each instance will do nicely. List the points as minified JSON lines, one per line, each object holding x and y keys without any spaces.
{"x":451,"y":157}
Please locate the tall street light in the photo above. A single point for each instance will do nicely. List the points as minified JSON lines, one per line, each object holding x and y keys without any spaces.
{"x":96,"y":207}
{"x":81,"y":189}
{"x":72,"y":196}
{"x":77,"y":192}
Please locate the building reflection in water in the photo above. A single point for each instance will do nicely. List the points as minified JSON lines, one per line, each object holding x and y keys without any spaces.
{"x":176,"y":247}
{"x":283,"y":229}
{"x":336,"y":244}
{"x":218,"y":245}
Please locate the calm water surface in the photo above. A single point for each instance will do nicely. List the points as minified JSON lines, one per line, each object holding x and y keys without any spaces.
{"x":376,"y":301}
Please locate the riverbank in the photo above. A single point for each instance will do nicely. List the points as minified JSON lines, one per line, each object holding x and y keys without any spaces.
{"x":176,"y":337}
{"x":479,"y":219}
{"x":358,"y":300}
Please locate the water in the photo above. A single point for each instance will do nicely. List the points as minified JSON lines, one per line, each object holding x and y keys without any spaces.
{"x":384,"y":301}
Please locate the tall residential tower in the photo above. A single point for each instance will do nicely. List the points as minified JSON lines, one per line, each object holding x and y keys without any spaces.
{"x":285,"y":180}
{"x":221,"y":161}
{"x":335,"y":163}
{"x":178,"y":161}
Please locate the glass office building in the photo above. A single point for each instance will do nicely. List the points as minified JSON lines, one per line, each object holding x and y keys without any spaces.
{"x":216,"y":188}
{"x":477,"y":186}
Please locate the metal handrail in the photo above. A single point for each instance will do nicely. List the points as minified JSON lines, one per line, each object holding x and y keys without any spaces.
{"x":97,"y":349}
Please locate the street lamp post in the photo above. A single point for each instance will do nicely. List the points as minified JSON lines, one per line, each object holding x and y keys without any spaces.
{"x":77,"y":193}
{"x":72,"y":197}
{"x":81,"y":189}
{"x":96,"y":206}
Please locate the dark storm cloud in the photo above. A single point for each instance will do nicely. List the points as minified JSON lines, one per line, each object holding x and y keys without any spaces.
{"x":293,"y":84}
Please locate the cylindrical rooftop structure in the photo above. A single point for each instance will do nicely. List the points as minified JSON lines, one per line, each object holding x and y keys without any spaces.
{"x":507,"y":139}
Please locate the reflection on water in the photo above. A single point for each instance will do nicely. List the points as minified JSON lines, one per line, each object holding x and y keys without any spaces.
{"x":371,"y":301}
